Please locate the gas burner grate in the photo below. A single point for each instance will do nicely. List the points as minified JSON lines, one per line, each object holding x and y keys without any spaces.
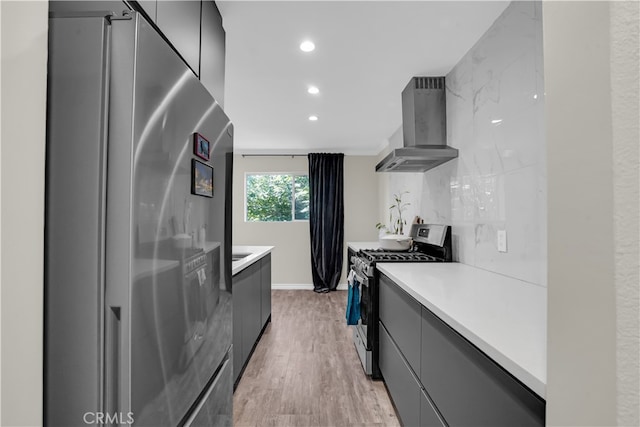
{"x":380,"y":255}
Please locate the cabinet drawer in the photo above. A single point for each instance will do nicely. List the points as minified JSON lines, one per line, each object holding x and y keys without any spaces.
{"x":400,"y":314}
{"x":467,"y":387}
{"x":402,"y":385}
{"x":428,"y":415}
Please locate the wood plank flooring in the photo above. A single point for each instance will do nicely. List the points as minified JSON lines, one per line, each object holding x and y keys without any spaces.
{"x":305,"y":370}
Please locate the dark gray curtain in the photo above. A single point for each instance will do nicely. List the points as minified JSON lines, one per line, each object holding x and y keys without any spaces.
{"x":326,"y":219}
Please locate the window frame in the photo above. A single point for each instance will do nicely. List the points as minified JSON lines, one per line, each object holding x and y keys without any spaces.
{"x":293,"y":196}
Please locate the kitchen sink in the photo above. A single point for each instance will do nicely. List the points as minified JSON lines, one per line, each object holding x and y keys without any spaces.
{"x":239,"y":256}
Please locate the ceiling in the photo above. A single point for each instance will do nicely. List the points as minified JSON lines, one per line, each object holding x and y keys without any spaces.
{"x":366,"y":52}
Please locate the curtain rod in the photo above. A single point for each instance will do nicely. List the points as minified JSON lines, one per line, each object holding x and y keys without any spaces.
{"x":274,"y":155}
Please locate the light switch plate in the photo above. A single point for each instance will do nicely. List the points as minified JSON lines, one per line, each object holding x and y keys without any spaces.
{"x":502,"y":240}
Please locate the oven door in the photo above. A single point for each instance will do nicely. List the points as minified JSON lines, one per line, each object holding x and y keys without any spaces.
{"x":365,"y":309}
{"x":360,"y":337}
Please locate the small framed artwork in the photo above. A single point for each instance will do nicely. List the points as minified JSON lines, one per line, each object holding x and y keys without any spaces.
{"x":201,"y":179}
{"x":201,"y":146}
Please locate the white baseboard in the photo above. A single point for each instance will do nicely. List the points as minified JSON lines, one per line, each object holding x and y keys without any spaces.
{"x":297,"y":286}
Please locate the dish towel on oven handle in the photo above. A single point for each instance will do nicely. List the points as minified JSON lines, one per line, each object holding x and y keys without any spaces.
{"x":353,"y":299}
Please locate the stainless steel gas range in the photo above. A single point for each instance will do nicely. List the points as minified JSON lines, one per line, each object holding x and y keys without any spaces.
{"x":431,"y":243}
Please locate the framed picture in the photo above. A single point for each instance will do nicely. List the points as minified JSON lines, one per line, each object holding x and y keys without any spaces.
{"x":201,"y":146}
{"x":201,"y":179}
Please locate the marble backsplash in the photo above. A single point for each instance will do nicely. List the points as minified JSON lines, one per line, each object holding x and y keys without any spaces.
{"x":495,"y":117}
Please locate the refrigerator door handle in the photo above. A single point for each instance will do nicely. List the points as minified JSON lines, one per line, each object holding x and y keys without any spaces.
{"x":113,"y":363}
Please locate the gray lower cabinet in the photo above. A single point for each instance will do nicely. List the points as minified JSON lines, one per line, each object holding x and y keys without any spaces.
{"x":428,"y":415}
{"x":403,"y":387}
{"x":400,"y":314}
{"x":454,"y":383}
{"x":250,"y":308}
{"x":249,"y":304}
{"x":241,"y":291}
{"x":265,"y":308}
{"x":468,"y":387}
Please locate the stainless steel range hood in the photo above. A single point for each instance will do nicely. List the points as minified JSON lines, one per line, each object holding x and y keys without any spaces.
{"x":424,"y":129}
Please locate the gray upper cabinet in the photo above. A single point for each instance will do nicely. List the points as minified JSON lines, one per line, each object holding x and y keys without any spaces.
{"x":180,"y":23}
{"x":74,"y":6}
{"x":428,"y":415}
{"x":436,"y":377}
{"x":193,"y":27}
{"x":149,"y":7}
{"x":212,"y":51}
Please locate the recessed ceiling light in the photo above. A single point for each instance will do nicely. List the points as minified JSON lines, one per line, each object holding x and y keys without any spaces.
{"x":307,"y":46}
{"x":313,"y":90}
{"x":313,"y":118}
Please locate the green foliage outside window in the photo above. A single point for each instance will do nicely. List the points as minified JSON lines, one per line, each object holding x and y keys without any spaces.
{"x":301,"y":197}
{"x":277,"y":197}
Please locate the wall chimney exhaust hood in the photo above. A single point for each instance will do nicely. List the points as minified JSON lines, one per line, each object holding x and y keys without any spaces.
{"x":424,"y":129}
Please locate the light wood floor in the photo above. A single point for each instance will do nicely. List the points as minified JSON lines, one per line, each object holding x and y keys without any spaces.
{"x":305,"y":370}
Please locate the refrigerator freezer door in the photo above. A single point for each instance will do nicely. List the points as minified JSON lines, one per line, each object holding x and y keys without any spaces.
{"x":215,"y":409}
{"x":75,"y":210}
{"x":179,"y":309}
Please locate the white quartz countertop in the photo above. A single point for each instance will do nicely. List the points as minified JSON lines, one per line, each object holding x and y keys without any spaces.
{"x":256,"y":252}
{"x":504,"y":317}
{"x":357,"y":246}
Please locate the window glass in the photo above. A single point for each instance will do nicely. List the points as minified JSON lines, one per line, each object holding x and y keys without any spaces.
{"x":301,"y":197}
{"x":277,"y":197}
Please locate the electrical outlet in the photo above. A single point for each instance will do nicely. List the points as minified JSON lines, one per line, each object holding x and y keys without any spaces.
{"x":502,"y":240}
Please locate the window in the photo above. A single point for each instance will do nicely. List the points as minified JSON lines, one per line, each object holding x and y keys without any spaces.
{"x":277,"y":197}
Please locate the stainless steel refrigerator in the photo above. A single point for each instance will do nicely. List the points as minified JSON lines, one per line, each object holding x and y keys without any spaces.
{"x":138,"y":232}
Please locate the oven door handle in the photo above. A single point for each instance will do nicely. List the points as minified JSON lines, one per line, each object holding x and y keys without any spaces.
{"x":363,"y":280}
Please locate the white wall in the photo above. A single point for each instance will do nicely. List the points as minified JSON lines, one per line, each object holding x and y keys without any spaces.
{"x":291,"y":259}
{"x":23,"y":95}
{"x":360,"y":202}
{"x":0,"y":216}
{"x":495,"y":108}
{"x":625,"y":90}
{"x":591,"y":83}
